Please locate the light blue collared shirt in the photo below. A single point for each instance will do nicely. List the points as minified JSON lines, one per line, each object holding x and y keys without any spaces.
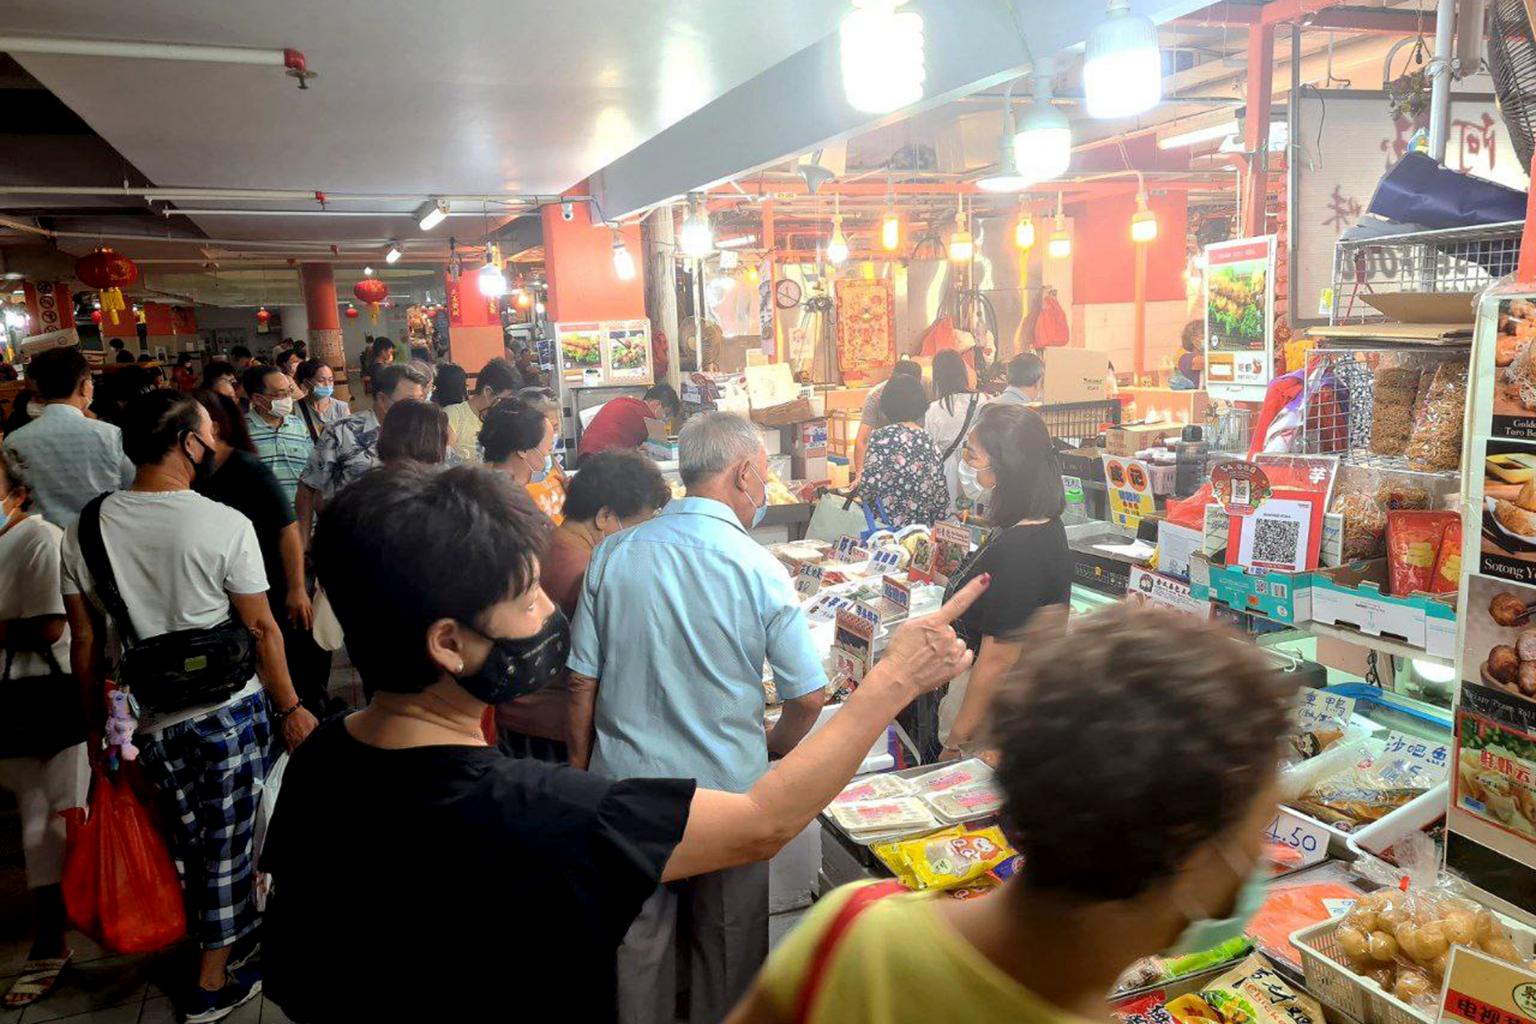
{"x":1013,"y":396}
{"x":675,"y":620}
{"x":67,"y":460}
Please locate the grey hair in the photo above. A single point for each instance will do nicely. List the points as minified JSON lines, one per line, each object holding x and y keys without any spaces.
{"x":712,"y":442}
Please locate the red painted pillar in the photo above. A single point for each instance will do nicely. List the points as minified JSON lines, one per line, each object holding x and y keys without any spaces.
{"x":1261,"y":82}
{"x":1525,"y":272}
{"x":318,"y":281}
{"x":578,"y":259}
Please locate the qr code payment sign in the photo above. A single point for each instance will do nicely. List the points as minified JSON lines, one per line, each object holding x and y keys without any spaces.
{"x":1274,"y":541}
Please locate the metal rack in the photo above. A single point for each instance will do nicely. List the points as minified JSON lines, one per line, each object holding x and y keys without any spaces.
{"x":1450,"y":261}
{"x":1076,"y":422}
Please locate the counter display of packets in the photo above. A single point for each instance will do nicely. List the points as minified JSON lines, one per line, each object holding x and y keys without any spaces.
{"x":951,"y":776}
{"x":875,"y":817}
{"x":875,"y":787}
{"x":946,"y":860}
{"x":966,"y":802}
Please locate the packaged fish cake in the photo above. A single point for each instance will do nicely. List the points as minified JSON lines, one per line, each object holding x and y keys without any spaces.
{"x":874,"y":787}
{"x":961,"y":773}
{"x":872,"y":817}
{"x":966,"y":803}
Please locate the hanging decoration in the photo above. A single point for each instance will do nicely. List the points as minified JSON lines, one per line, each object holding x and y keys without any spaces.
{"x":96,"y":316}
{"x":351,"y":311}
{"x":371,"y":292}
{"x":107,"y":272}
{"x":263,"y":315}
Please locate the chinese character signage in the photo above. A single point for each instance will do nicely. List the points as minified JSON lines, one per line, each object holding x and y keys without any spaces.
{"x":1240,"y":318}
{"x":1481,"y":989}
{"x":1129,"y":483}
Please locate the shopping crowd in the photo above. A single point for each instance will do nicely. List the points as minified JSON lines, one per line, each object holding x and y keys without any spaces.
{"x":561,"y":772}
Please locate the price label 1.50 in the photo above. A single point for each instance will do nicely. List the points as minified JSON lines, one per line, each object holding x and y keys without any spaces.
{"x":1306,"y":837}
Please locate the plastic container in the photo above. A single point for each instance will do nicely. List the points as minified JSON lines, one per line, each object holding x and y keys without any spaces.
{"x":1190,"y":454}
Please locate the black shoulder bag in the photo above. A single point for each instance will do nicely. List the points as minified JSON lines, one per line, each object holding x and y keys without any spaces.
{"x":173,"y":671}
{"x":965,"y":427}
{"x":314,"y":435}
{"x":42,"y":714}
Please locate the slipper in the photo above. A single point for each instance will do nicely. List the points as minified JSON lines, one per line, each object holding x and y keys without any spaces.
{"x":38,"y":978}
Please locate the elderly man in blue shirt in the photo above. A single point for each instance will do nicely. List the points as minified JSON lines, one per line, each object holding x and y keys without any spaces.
{"x":676,"y":619}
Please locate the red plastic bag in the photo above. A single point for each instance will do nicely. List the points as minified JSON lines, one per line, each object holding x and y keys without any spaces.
{"x":120,"y":886}
{"x":1051,"y":329}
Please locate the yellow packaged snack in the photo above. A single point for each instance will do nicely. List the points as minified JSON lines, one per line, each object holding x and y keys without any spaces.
{"x":947,"y":859}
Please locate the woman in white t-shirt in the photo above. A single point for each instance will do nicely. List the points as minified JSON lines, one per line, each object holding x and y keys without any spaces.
{"x":952,"y":414}
{"x":42,"y":725}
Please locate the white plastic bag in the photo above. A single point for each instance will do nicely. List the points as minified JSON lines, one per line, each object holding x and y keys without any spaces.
{"x":264,"y":809}
{"x":327,"y":627}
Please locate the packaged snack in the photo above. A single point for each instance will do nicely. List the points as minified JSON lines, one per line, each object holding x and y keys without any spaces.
{"x":951,"y":859}
{"x":874,"y":787}
{"x":1254,"y":993}
{"x":1413,"y":547}
{"x":1447,"y":575}
{"x":1191,"y":1009}
{"x":967,"y":802}
{"x":1436,"y":441}
{"x":962,"y":773}
{"x":1365,"y":525}
{"x":1194,"y":963}
{"x":1393,"y":394}
{"x":872,"y":817}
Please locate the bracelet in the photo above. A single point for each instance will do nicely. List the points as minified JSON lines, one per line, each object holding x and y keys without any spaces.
{"x":278,"y":716}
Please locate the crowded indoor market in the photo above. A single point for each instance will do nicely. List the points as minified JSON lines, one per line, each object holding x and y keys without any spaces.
{"x":652,"y":496}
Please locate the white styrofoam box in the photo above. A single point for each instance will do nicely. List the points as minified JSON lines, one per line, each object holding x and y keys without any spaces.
{"x":773,"y":439}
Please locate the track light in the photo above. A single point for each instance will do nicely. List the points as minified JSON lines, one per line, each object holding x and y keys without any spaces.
{"x":367,"y":271}
{"x":623,"y":262}
{"x":392,"y":254}
{"x":698,"y":238}
{"x":1122,"y":67}
{"x":432,"y":213}
{"x":882,"y":56}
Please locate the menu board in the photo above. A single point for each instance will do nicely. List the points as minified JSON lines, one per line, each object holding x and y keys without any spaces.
{"x":1240,"y":318}
{"x":1492,"y":817}
{"x":608,"y":353}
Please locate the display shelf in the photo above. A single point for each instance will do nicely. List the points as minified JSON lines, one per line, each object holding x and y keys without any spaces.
{"x":1359,"y":639}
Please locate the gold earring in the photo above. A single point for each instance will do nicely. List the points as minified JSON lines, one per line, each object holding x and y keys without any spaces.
{"x":461,"y":665}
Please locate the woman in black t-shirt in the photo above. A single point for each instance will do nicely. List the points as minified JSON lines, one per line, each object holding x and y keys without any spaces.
{"x":472,"y":877}
{"x":1026,"y":555}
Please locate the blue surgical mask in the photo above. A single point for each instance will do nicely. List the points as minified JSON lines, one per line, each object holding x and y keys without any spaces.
{"x":1204,"y":933}
{"x":323,"y":390}
{"x":759,"y":511}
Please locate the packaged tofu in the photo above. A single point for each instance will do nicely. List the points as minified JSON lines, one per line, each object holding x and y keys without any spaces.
{"x":875,"y":787}
{"x":961,"y":773}
{"x":966,"y":802}
{"x":875,"y":817}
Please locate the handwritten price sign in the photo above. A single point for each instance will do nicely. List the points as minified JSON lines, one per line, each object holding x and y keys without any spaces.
{"x":1307,"y":837}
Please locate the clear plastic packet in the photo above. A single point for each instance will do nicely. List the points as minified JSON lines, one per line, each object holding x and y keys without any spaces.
{"x":961,"y":773}
{"x":874,"y":787}
{"x":967,"y":802}
{"x":872,"y":817}
{"x":1435,"y":444}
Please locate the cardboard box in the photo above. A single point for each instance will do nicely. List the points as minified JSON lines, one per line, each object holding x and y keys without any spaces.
{"x":1073,"y":375}
{"x":811,"y":467}
{"x":1283,"y":596}
{"x":1128,"y":439}
{"x":1354,"y":597}
{"x":810,"y":434}
{"x":660,"y":445}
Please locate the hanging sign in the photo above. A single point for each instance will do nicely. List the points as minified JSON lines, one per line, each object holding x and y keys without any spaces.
{"x":1240,"y":318}
{"x":49,"y":305}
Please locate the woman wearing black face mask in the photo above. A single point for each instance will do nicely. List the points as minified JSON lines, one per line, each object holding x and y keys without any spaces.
{"x":434,"y":577}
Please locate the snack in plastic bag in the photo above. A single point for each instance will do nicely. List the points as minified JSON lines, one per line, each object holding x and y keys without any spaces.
{"x":874,"y":787}
{"x":1447,"y":575}
{"x":1253,"y":992}
{"x":947,"y":859}
{"x":1413,"y":547}
{"x":1436,"y":441}
{"x":1394,"y":390}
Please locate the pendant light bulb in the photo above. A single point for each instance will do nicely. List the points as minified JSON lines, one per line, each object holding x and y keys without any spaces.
{"x":1024,"y":232}
{"x":961,"y":245}
{"x":890,"y":231}
{"x":623,"y":262}
{"x":1122,"y":66}
{"x":1042,"y":149}
{"x":1143,"y":221}
{"x":1060,"y":245}
{"x":492,"y":282}
{"x":697,"y":238}
{"x":882,"y":56}
{"x":837,"y":248}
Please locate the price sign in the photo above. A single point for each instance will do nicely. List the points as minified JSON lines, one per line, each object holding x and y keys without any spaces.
{"x":1291,"y":830}
{"x":808,"y":582}
{"x":843,"y":550}
{"x":1480,"y":989}
{"x":1318,"y":708}
{"x":895,"y":598}
{"x":825,"y":607}
{"x":1410,"y":758}
{"x":885,"y":560}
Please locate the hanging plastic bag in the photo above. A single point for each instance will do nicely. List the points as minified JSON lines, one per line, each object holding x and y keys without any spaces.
{"x":1051,"y":328}
{"x":264,"y":809}
{"x":327,"y":628}
{"x":120,"y":886}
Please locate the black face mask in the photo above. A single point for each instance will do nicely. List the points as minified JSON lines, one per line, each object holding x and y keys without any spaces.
{"x":518,"y":666}
{"x":202,"y":468}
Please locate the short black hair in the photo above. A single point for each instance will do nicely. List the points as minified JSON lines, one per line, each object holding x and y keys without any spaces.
{"x":1175,"y":782}
{"x":216,"y":368}
{"x":254,"y":380}
{"x":903,"y":398}
{"x":414,"y":430}
{"x":949,"y":376}
{"x":116,"y":343}
{"x":183,"y":358}
{"x":307,"y":370}
{"x":622,"y":480}
{"x":667,"y":396}
{"x":239,"y":352}
{"x":145,"y":357}
{"x":155,"y":422}
{"x":407,"y":545}
{"x":57,"y":372}
{"x":450,"y":384}
{"x":1025,"y":370}
{"x":907,"y":368}
{"x":1023,"y":457}
{"x":511,"y":425}
{"x":386,"y":379}
{"x":380,"y":344}
{"x":497,"y":376}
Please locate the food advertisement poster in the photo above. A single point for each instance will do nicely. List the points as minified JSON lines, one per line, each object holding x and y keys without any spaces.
{"x":629,"y":352}
{"x":1129,"y":482}
{"x":1499,"y":651}
{"x":580,"y":350}
{"x":1514,"y":360}
{"x":1504,"y":497}
{"x":1496,"y":774}
{"x":1240,"y":317}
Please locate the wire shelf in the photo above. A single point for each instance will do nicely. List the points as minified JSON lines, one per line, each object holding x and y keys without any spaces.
{"x":1450,"y":261}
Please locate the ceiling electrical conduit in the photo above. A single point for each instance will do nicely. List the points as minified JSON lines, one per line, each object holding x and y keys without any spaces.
{"x":152,"y":51}
{"x":279,"y":194}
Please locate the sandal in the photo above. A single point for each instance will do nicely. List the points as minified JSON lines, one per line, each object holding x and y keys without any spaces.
{"x":38,"y":978}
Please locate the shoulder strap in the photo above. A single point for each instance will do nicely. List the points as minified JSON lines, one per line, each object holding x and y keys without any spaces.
{"x":830,"y":939}
{"x":94,"y":551}
{"x":314,"y":435}
{"x":970,"y":411}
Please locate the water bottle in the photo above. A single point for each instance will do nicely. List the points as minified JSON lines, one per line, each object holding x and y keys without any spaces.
{"x":1189,"y":462}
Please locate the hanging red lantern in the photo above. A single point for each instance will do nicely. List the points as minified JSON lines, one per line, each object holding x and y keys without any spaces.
{"x":351,"y":311}
{"x":108,"y":272}
{"x":96,"y":316}
{"x":262,"y":315}
{"x":372,"y":291}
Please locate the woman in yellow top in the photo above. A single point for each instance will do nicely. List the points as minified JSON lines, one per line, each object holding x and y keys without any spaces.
{"x":1137,"y":765}
{"x":517,"y":439}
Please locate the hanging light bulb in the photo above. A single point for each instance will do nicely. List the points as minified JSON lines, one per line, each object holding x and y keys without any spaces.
{"x":698,"y":238}
{"x":1043,"y":147}
{"x":1024,"y":232}
{"x":752,"y":275}
{"x":492,"y":282}
{"x":1007,"y":177}
{"x":961,"y":245}
{"x":367,"y":271}
{"x":1143,"y":221}
{"x":882,"y":56}
{"x":890,"y":231}
{"x":623,"y":262}
{"x":837,"y":248}
{"x":1060,"y":245}
{"x":1122,"y":66}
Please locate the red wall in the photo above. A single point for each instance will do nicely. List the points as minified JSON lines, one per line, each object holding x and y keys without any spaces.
{"x":578,"y":257}
{"x":1104,"y":257}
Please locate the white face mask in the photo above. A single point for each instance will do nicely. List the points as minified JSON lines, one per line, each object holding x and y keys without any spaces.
{"x":282,"y":407}
{"x":35,"y":409}
{"x":970,"y":486}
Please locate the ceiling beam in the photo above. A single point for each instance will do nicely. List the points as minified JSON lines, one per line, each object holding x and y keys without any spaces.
{"x":798,"y":104}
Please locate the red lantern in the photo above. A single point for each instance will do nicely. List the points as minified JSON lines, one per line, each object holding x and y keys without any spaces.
{"x":95,"y":316}
{"x":108,"y":272}
{"x":262,"y":315}
{"x":372,"y":291}
{"x":351,"y":311}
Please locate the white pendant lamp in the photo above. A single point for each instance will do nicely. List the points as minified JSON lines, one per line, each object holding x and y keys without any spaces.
{"x":1122,"y":69}
{"x":1007,"y":177}
{"x":1143,"y":221}
{"x":491,"y":281}
{"x":697,"y":239}
{"x":1043,"y":146}
{"x":882,"y":56}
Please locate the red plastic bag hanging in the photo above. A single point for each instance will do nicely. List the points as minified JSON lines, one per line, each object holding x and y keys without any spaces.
{"x":1051,"y":328}
{"x":120,"y":886}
